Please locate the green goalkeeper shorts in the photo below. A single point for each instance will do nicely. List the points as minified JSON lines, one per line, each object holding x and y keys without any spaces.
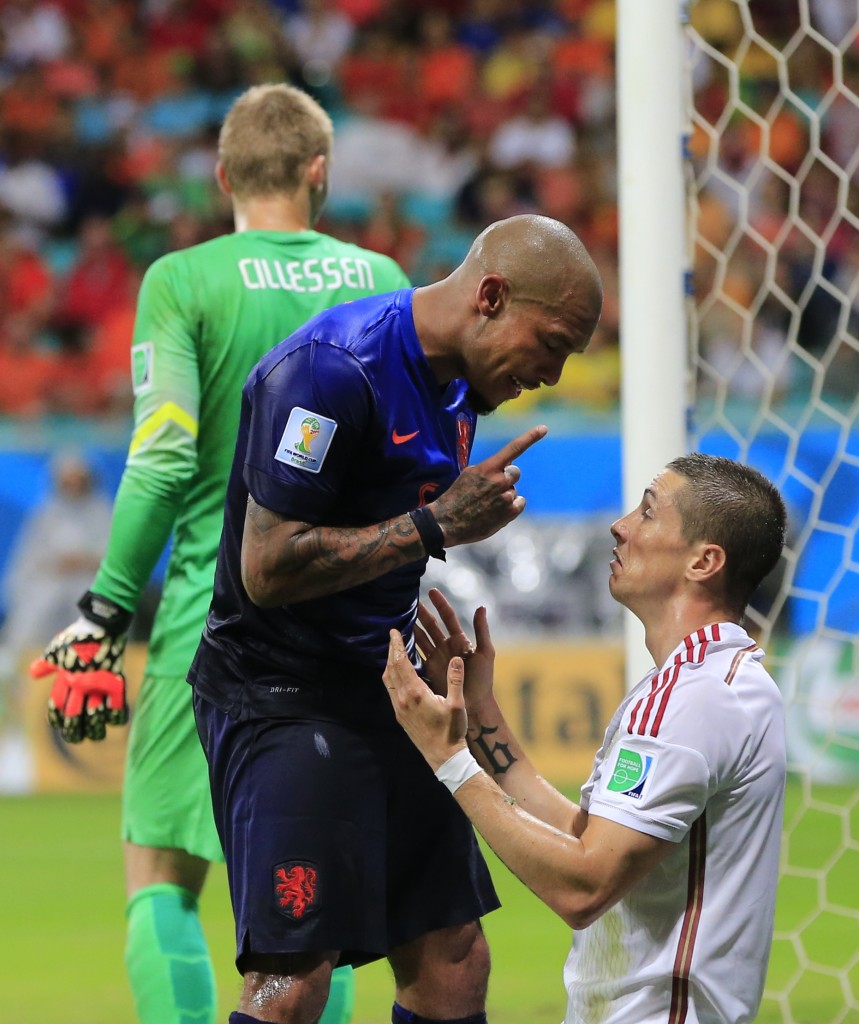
{"x":165,"y":797}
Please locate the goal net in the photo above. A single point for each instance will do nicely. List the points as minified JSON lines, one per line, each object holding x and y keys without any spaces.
{"x":772,"y":163}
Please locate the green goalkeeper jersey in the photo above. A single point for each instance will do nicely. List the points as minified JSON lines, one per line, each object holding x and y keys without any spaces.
{"x":205,"y":316}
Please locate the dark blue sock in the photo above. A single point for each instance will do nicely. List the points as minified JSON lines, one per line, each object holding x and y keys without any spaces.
{"x":402,"y":1016}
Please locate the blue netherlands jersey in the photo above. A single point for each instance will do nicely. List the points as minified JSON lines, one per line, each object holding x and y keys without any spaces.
{"x":342,"y":424}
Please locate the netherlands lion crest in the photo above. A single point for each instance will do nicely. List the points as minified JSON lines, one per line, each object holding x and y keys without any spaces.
{"x":295,"y":889}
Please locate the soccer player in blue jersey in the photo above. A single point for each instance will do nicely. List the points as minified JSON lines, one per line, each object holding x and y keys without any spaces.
{"x":351,"y":469}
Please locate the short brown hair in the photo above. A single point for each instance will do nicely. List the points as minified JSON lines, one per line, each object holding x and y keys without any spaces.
{"x":267,"y":138}
{"x":738,"y":508}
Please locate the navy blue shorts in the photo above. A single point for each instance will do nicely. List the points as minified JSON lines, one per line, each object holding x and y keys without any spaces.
{"x":336,"y":837}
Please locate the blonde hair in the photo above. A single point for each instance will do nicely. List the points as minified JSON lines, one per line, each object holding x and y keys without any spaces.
{"x":269,"y":135}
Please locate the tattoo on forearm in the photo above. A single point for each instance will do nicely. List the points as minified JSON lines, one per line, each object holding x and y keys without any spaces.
{"x":338,"y":556}
{"x":339,"y":549}
{"x":262,"y":518}
{"x":497,"y":754}
{"x":344,"y":553}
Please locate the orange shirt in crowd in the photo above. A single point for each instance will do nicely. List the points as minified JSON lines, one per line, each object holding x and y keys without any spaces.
{"x":446,"y":75}
{"x":110,"y":357}
{"x":25,"y":282}
{"x":26,"y":380}
{"x":27,"y":107}
{"x":95,"y":285}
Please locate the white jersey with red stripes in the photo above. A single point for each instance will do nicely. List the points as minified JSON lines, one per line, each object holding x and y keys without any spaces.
{"x":695,"y":754}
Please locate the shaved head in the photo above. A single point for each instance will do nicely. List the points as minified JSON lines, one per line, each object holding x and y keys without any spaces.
{"x":543,"y":261}
{"x":525,"y":298}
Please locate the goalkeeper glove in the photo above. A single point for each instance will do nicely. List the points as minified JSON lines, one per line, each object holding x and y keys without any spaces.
{"x":89,"y":690}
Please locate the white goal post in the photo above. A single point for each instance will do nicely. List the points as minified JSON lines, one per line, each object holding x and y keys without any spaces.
{"x":738,"y":138}
{"x":653,"y":257}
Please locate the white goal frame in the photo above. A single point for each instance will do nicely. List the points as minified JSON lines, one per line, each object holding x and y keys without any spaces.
{"x":816,"y":942}
{"x":655,"y":365}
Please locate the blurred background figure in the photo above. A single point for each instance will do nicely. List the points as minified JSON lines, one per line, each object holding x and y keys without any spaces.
{"x":57,"y":551}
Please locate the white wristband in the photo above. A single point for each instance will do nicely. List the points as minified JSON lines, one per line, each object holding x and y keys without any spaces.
{"x":457,"y":769}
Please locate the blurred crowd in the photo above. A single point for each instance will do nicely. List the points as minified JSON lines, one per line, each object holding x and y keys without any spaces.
{"x":774,"y":148}
{"x":449,"y":114}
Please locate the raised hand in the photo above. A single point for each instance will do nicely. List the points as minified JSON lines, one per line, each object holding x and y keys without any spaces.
{"x":435,"y":724}
{"x":439,"y":645}
{"x":483,"y":499}
{"x":436,"y":645}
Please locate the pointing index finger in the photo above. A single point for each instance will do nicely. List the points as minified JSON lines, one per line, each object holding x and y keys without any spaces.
{"x":513,"y":449}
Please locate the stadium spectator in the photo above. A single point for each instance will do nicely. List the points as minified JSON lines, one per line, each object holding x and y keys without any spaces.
{"x":402,"y":73}
{"x":480,"y":27}
{"x":98,"y":279}
{"x":55,"y":554}
{"x":255,"y":34}
{"x":448,"y":158}
{"x":31,"y":187}
{"x":493,"y":194}
{"x":177,"y":28}
{"x":535,"y":138}
{"x":391,"y":232}
{"x":26,"y":282}
{"x":841,"y":120}
{"x":27,"y":106}
{"x":513,"y":66}
{"x":672,"y":854}
{"x":415,"y":63}
{"x":34,"y":31}
{"x":319,"y":36}
{"x":142,"y":71}
{"x":180,"y":110}
{"x":28,"y":372}
{"x":104,"y":28}
{"x":361,"y":12}
{"x":447,"y":69}
{"x":58,"y":550}
{"x":220,"y":69}
{"x":109,"y":350}
{"x":27,"y":368}
{"x":376,"y":77}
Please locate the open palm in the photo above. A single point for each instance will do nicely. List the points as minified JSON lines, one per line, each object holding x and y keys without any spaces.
{"x":438,"y":642}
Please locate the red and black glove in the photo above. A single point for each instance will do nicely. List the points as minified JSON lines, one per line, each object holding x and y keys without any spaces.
{"x":89,"y":690}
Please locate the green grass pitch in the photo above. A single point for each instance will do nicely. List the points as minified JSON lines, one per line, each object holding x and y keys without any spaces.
{"x":61,"y":905}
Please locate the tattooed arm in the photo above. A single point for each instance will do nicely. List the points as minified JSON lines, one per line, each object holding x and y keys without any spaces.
{"x":285,"y":561}
{"x":490,"y":739}
{"x":578,"y":866}
{"x":498,"y":752}
{"x":483,"y":499}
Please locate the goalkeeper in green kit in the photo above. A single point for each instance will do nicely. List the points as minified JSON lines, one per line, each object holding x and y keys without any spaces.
{"x":205,"y":316}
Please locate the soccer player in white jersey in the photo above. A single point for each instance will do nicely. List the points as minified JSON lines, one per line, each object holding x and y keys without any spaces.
{"x":668,"y":865}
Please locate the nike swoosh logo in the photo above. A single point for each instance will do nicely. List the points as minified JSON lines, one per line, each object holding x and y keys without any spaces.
{"x":402,"y":438}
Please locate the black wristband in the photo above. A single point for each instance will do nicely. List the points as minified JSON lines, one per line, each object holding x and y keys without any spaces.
{"x":430,"y":532}
{"x":105,"y":613}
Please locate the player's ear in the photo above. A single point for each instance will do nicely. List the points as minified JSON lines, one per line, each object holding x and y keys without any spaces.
{"x":493,"y":292}
{"x":317,"y":171}
{"x":708,"y":561}
{"x":221,"y":178}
